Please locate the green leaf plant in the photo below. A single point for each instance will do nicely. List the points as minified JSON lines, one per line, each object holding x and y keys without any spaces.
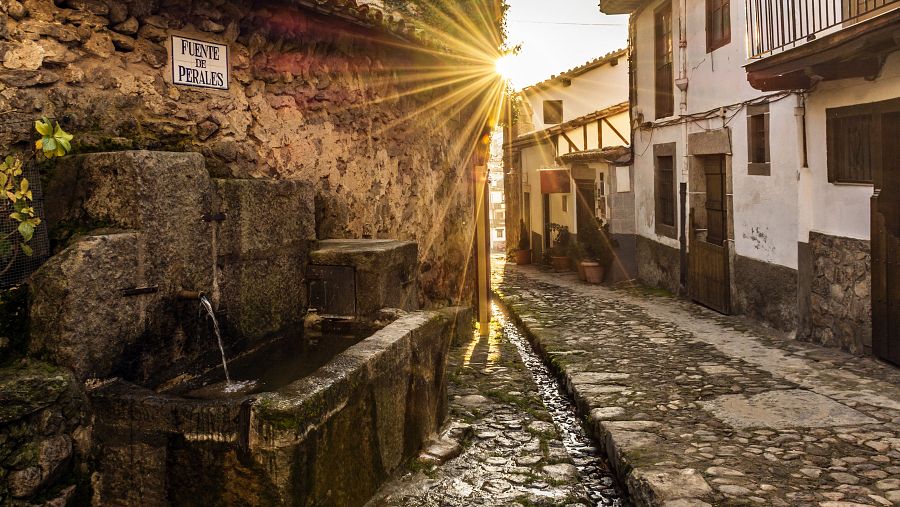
{"x":16,"y":194}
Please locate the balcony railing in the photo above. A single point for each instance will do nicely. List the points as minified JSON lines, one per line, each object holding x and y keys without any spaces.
{"x":777,"y":25}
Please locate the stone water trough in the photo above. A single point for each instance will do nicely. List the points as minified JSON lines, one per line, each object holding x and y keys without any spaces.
{"x":336,"y":378}
{"x":329,"y":438}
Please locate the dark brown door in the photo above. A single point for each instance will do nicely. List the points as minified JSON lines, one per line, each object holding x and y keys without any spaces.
{"x":586,"y":200}
{"x":708,"y":280}
{"x":886,"y":244}
{"x":546,"y":212}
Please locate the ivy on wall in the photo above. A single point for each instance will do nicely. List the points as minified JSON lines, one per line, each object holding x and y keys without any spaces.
{"x":16,"y":194}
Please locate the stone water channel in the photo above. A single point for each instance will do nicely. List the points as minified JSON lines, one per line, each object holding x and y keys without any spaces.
{"x":598,"y":483}
{"x":513,"y":437}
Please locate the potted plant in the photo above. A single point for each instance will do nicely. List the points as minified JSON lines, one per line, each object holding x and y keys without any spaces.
{"x":598,"y":246}
{"x":523,"y":254}
{"x":577,"y":254}
{"x":559,"y":257}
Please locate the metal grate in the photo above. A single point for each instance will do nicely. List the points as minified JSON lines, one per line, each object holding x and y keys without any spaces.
{"x":775,"y":25}
{"x":15,"y":267}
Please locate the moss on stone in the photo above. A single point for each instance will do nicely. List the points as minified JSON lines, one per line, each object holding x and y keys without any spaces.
{"x":13,"y":323}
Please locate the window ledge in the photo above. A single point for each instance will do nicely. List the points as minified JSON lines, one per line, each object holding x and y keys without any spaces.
{"x":853,"y":183}
{"x":759,"y":168}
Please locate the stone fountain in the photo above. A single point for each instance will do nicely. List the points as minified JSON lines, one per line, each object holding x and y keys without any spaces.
{"x":327,"y":412}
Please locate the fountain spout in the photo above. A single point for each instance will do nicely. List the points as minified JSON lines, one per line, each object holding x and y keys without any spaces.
{"x":189,"y":295}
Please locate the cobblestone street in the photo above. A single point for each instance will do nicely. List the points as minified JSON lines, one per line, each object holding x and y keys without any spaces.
{"x":695,"y":408}
{"x":502,"y":446}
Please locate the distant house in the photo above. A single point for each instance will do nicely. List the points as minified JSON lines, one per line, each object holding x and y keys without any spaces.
{"x":766,"y":161}
{"x":567,"y":150}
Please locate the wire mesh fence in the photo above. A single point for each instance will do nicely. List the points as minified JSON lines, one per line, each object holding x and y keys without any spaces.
{"x":15,"y":266}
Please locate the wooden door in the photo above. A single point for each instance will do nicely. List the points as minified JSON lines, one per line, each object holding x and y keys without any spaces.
{"x":886,"y":243}
{"x":546,"y":212}
{"x":708,"y":278}
{"x":584,"y":206}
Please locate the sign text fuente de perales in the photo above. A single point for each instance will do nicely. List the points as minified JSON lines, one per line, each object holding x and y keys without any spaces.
{"x":199,"y":63}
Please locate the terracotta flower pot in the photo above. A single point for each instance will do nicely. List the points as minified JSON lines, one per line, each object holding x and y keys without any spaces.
{"x":593,"y":271}
{"x":580,"y":266}
{"x":523,"y":257}
{"x":559,"y":262}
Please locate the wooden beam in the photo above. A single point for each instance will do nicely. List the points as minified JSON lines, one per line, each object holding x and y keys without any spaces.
{"x":614,"y":129}
{"x":572,"y":145}
{"x":584,"y":131}
{"x":599,"y":134}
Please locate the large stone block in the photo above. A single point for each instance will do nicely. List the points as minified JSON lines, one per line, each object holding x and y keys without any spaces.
{"x":262,"y":246}
{"x":163,"y":195}
{"x":385,"y":271}
{"x":79,"y":317}
{"x":264,"y":218}
{"x":261,"y":297}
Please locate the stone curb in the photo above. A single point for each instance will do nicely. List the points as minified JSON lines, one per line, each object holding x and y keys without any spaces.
{"x":646,"y":486}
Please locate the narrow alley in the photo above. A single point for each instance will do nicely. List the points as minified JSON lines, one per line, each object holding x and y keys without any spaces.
{"x":696,"y":408}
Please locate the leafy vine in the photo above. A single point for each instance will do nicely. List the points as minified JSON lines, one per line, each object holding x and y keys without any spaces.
{"x":16,"y":193}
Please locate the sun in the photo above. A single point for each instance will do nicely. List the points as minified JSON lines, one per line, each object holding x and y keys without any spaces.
{"x":505,"y":66}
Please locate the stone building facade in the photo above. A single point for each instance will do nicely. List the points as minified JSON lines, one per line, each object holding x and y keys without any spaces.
{"x":312,"y":97}
{"x":327,"y":102}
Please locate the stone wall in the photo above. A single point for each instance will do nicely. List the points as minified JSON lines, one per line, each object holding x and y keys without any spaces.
{"x":44,"y":436}
{"x":157,"y":221}
{"x":765,"y":292}
{"x":658,"y":265}
{"x":311,"y":98}
{"x":840,"y":299}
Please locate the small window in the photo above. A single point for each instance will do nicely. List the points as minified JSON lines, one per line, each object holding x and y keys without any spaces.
{"x":664,"y":189}
{"x":553,"y":112}
{"x":565,"y":203}
{"x":663,"y":54}
{"x":499,"y":233}
{"x":849,"y":139}
{"x":601,"y":197}
{"x":718,"y":24}
{"x":758,"y":154}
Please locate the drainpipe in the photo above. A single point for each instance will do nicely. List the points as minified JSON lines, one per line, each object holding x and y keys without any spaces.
{"x":682,"y":84}
{"x":632,"y":92}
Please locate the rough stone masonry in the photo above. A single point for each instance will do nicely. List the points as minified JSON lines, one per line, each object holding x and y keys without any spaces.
{"x":310,"y":97}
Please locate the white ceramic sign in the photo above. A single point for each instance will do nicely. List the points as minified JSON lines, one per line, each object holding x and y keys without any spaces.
{"x":199,"y":63}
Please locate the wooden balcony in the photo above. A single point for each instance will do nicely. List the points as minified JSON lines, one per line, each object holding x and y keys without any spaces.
{"x":794,"y":44}
{"x":778,"y":25}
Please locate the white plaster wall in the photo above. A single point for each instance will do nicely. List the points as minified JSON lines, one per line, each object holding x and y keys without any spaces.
{"x":766,"y":207}
{"x":644,"y":180}
{"x":765,"y":216}
{"x":621,"y":123}
{"x":596,"y":89}
{"x":840,"y":209}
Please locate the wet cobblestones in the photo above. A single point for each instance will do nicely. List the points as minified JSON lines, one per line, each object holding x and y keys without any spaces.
{"x":701,"y":409}
{"x":515,"y":453}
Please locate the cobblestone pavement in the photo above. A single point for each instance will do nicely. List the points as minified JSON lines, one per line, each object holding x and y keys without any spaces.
{"x":695,"y":408}
{"x":510,"y":452}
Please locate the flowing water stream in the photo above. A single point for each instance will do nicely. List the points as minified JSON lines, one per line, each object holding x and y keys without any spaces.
{"x":597,"y":479}
{"x":206,"y":304}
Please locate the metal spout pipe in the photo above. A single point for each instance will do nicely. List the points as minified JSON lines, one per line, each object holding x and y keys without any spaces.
{"x":189,"y":295}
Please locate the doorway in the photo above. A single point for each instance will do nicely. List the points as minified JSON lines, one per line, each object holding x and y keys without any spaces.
{"x":886,"y":242}
{"x":545,"y":204}
{"x":708,"y":272}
